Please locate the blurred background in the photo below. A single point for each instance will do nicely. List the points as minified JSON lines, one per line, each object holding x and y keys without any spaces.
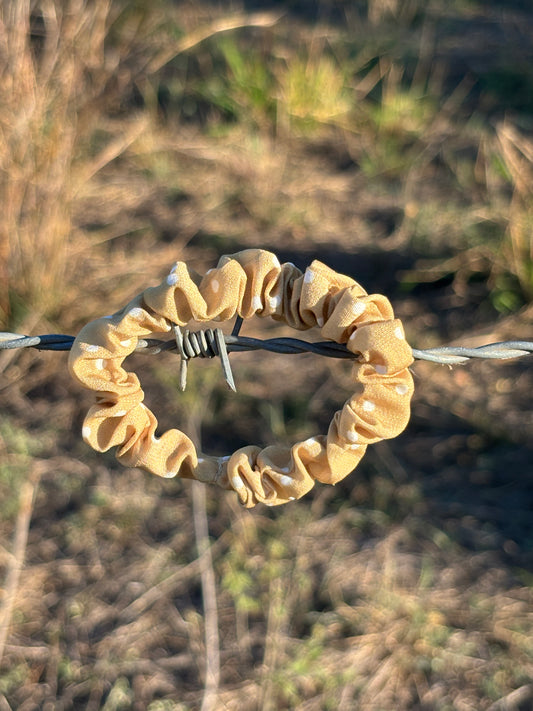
{"x":392,"y":140}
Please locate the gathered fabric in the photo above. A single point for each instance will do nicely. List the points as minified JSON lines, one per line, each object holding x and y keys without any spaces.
{"x":249,"y":283}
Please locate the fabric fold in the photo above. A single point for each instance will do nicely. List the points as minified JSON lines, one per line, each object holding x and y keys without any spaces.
{"x":251,"y":282}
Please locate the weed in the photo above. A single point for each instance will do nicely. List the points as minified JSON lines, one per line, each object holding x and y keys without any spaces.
{"x":250,"y":90}
{"x":18,"y":448}
{"x":313,"y":91}
{"x":14,"y":678}
{"x":120,"y":696}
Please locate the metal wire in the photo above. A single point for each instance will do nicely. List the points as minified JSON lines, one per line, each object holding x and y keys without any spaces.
{"x":207,"y":344}
{"x":459,"y":354}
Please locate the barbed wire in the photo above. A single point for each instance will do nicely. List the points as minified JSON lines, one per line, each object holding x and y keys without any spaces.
{"x":454,"y":355}
{"x":449,"y":355}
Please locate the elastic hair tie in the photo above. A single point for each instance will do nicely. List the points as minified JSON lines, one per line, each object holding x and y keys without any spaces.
{"x":251,"y":282}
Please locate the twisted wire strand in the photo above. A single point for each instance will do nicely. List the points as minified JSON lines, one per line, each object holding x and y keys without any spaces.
{"x":504,"y":350}
{"x":203,"y":344}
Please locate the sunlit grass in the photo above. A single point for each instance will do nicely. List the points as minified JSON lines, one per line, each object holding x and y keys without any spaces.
{"x":314,"y":91}
{"x":517,"y":155}
{"x":46,"y":96}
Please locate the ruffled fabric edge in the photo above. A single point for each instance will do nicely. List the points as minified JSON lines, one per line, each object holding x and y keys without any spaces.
{"x":251,"y":282}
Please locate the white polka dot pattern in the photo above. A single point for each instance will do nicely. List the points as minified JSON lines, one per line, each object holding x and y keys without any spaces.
{"x":251,"y":282}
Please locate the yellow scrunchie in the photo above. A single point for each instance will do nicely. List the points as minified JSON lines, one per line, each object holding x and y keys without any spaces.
{"x":251,"y":282}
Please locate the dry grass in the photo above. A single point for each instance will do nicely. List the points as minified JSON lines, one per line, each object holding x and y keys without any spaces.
{"x":64,"y":68}
{"x":131,"y":136}
{"x":53,"y":57}
{"x":517,"y":153}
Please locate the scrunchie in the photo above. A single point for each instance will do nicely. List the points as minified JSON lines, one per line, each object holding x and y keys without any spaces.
{"x":251,"y":282}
